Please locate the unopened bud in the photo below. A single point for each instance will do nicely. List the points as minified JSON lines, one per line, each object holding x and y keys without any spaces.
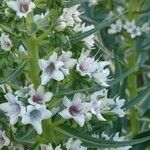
{"x":61,"y":25}
{"x":8,"y":13}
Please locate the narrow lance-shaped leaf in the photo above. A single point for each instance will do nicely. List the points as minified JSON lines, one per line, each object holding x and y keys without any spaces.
{"x":79,"y":36}
{"x":97,"y":143}
{"x":7,"y":29}
{"x":16,"y":73}
{"x":26,"y":137}
{"x":142,"y":96}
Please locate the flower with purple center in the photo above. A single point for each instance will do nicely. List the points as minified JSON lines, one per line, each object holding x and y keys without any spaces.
{"x":95,"y":69}
{"x":34,"y":116}
{"x":22,"y":7}
{"x":51,"y":69}
{"x":39,"y":96}
{"x":75,"y":109}
{"x":4,"y":140}
{"x":86,"y":65}
{"x":13,"y":108}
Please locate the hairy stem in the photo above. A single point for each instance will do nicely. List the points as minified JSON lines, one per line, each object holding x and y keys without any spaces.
{"x":132,"y":79}
{"x":32,"y":47}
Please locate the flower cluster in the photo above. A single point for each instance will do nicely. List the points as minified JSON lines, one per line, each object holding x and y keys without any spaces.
{"x":69,"y":145}
{"x":34,"y":112}
{"x":71,"y":18}
{"x":98,"y":103}
{"x":129,"y":26}
{"x":30,"y":101}
{"x":57,"y":67}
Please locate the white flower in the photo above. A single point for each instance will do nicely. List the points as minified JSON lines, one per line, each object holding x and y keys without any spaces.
{"x":49,"y":147}
{"x":5,"y":42}
{"x":13,"y":108}
{"x":129,"y":26}
{"x":51,"y":69}
{"x":136,"y":31}
{"x":38,"y":17}
{"x":90,"y":40}
{"x":101,"y":104}
{"x":117,"y":110}
{"x":68,"y":62}
{"x":24,"y":91}
{"x":34,"y":116}
{"x":39,"y":96}
{"x":70,"y":16}
{"x":75,"y":109}
{"x":22,"y":49}
{"x":96,"y":110}
{"x":86,"y":65}
{"x":74,"y":145}
{"x":115,"y":28}
{"x":98,"y":105}
{"x":4,"y":140}
{"x":102,"y":73}
{"x":145,"y":28}
{"x":22,"y":7}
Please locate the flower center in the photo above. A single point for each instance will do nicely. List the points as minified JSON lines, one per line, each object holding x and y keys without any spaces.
{"x":35,"y":114}
{"x":7,"y":43}
{"x":83,"y":67}
{"x":50,"y":68}
{"x":2,"y":140}
{"x":37,"y":98}
{"x":74,"y":110}
{"x":15,"y":108}
{"x":23,"y":6}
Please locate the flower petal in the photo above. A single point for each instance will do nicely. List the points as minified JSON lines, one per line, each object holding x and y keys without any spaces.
{"x":65,"y":114}
{"x":80,"y":120}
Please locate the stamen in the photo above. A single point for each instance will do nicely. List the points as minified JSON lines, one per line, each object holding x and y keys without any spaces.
{"x":50,"y":68}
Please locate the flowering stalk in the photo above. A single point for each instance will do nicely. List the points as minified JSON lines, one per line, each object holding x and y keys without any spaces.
{"x":32,"y":47}
{"x":132,"y":79}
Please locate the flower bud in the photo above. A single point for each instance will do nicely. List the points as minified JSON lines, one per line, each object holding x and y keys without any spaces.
{"x":61,"y":25}
{"x":8,"y":13}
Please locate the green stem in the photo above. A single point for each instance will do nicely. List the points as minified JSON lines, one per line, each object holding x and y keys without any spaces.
{"x":132,"y":79}
{"x":32,"y":47}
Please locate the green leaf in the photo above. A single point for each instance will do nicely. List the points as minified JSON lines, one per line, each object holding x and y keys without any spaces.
{"x":97,"y":143}
{"x":7,"y":29}
{"x":80,"y":36}
{"x":16,"y":73}
{"x":26,"y":137}
{"x":142,"y":96}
